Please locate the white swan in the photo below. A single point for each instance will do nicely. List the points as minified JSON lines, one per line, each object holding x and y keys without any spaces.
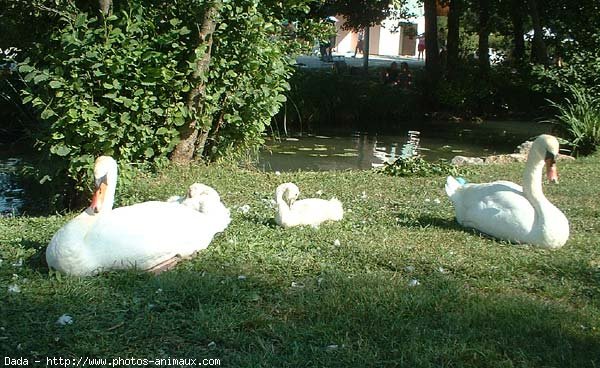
{"x":205,"y":199}
{"x":508,"y":211}
{"x":150,"y":236}
{"x":311,"y":211}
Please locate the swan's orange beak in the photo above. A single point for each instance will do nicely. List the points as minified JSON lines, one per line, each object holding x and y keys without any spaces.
{"x":98,"y":197}
{"x":551,"y":172}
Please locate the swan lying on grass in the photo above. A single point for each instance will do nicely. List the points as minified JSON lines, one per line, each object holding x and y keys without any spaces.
{"x":506,"y":210}
{"x":150,"y":236}
{"x":205,"y":199}
{"x":311,"y":211}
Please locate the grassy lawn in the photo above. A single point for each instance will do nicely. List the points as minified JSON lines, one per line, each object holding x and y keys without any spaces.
{"x":342,"y":295}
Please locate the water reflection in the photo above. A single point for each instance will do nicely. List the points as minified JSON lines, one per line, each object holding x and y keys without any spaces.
{"x":339,"y":152}
{"x":359,"y":151}
{"x":11,"y":195}
{"x":365,"y":151}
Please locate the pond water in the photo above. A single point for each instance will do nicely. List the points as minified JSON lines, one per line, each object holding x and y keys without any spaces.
{"x":361,"y":150}
{"x":330,"y":151}
{"x":11,"y":195}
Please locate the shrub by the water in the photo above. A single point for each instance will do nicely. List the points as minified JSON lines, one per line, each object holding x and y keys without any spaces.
{"x":110,"y":87}
{"x":119,"y":85}
{"x":579,"y":116}
{"x":417,"y":166}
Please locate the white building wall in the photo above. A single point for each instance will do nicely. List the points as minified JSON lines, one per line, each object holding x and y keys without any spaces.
{"x":383,"y":40}
{"x":346,"y":41}
{"x":389,"y":41}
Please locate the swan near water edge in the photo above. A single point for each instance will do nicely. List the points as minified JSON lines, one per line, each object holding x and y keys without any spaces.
{"x":505,"y":210}
{"x":151,"y":236}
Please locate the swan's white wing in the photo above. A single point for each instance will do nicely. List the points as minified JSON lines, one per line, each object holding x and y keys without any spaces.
{"x":144,"y":234}
{"x":314,"y":211}
{"x":498,"y":209}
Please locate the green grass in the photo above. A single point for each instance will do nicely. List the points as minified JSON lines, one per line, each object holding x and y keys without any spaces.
{"x":494,"y":304}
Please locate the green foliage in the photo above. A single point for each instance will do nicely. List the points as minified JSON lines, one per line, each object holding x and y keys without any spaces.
{"x":581,"y":69}
{"x":248,"y":75}
{"x":410,"y":163}
{"x":579,"y":116}
{"x":417,"y":166}
{"x":109,"y":87}
{"x":320,"y":98}
{"x":578,"y":78}
{"x":119,"y":85}
{"x":25,"y":22}
{"x":346,"y":98}
{"x":504,"y":91}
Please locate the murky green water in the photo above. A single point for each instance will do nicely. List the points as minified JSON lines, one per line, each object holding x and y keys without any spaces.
{"x":343,"y":151}
{"x":364,"y":150}
{"x":11,"y":195}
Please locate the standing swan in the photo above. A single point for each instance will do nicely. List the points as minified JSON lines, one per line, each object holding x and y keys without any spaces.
{"x":508,"y":211}
{"x":151,"y":236}
{"x":311,"y":211}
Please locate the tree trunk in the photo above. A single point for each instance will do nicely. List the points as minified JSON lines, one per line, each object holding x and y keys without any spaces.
{"x":539,"y":53}
{"x":516,"y":15}
{"x":432,"y":56}
{"x":210,"y":144}
{"x":366,"y":41}
{"x":453,"y":38}
{"x":484,"y":36}
{"x":105,"y":7}
{"x":191,"y":136}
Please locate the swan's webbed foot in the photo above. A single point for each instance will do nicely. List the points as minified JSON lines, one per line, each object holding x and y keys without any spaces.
{"x":165,"y":265}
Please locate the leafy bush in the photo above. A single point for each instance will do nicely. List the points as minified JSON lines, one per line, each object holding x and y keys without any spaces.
{"x":326,"y":98}
{"x":347,"y":98}
{"x":579,"y":116}
{"x":110,"y":87}
{"x":580,"y":69}
{"x":250,"y":67}
{"x":119,"y":85}
{"x":410,"y":163}
{"x":505,"y":91}
{"x":417,"y":166}
{"x":578,"y":78}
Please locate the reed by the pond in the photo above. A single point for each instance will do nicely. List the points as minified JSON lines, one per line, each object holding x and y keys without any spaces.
{"x":395,"y":283}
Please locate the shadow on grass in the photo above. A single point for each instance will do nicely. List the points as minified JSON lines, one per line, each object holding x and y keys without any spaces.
{"x":409,"y":219}
{"x":333,"y":320}
{"x":260,"y":219}
{"x":37,"y":261}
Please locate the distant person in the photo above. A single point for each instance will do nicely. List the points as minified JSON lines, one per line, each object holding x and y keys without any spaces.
{"x":405,"y":76}
{"x":391,"y":74}
{"x":421,"y":47}
{"x":442,"y":38}
{"x":327,"y":42}
{"x":325,"y":50}
{"x":360,"y":45}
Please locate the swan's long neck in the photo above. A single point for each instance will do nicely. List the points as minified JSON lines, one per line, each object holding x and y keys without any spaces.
{"x":108,"y":197}
{"x":532,"y":187}
{"x":109,"y":200}
{"x":282,"y":204}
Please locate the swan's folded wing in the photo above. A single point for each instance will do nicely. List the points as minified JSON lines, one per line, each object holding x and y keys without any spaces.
{"x":498,"y":209}
{"x":147,"y":233}
{"x":314,"y":211}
